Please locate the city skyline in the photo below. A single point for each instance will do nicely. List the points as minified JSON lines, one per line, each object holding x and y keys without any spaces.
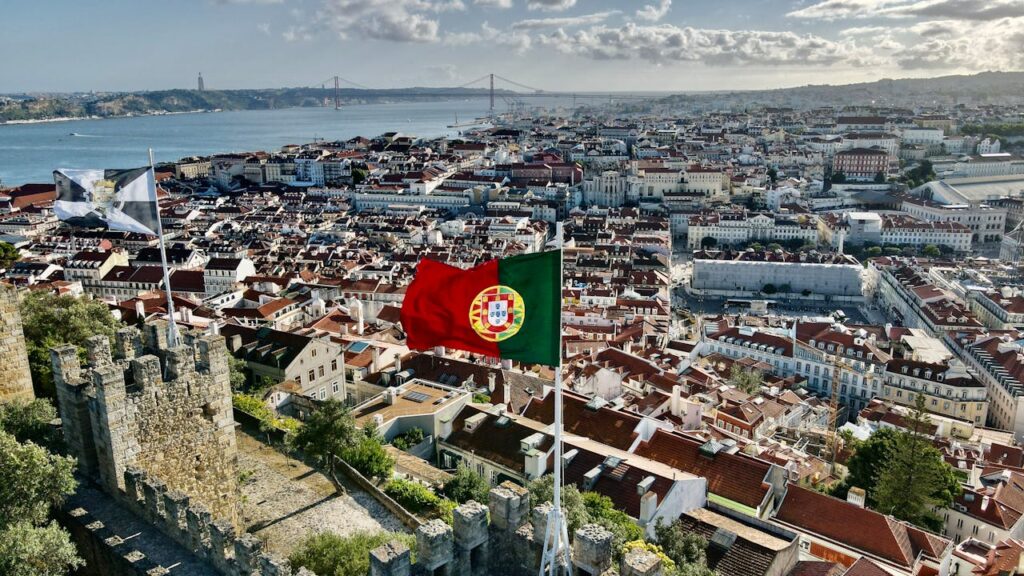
{"x":650,"y":45}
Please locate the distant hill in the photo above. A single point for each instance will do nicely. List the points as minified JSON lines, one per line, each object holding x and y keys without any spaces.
{"x":163,"y":101}
{"x":975,"y":89}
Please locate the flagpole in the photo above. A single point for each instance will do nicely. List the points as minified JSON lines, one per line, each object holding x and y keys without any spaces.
{"x":172,"y":327}
{"x":556,"y":537}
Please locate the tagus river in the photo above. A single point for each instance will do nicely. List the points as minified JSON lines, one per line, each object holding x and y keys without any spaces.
{"x":30,"y":152}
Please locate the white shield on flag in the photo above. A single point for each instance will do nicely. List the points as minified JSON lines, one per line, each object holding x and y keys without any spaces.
{"x":497,"y":312}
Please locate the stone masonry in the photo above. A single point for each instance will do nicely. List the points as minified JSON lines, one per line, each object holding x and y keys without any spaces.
{"x":15,"y":378}
{"x":165,"y":411}
{"x":472,"y":546}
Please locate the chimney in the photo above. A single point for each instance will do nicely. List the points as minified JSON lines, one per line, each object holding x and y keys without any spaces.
{"x":676,"y":397}
{"x":235,"y":342}
{"x":506,"y":390}
{"x":855,"y":496}
{"x":648,"y":507}
{"x":398,"y":362}
{"x":842,"y":240}
{"x":374,"y":359}
{"x":490,"y":382}
{"x":140,"y":309}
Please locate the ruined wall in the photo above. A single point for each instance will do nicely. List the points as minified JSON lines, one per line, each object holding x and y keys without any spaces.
{"x":166,"y":411}
{"x":15,"y":378}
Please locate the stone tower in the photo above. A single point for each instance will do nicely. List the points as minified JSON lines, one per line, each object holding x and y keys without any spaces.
{"x":164,"y":411}
{"x":15,"y":378}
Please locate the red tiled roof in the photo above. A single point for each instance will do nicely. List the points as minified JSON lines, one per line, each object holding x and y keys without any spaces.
{"x":858,"y":528}
{"x":737,"y":477}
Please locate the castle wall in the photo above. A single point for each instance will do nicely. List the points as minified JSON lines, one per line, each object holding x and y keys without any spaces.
{"x":15,"y":377}
{"x":164,"y":410}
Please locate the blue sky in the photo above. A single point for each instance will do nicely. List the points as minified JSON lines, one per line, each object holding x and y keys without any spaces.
{"x":599,"y":45}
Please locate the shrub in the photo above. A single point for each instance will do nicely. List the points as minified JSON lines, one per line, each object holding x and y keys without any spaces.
{"x":413,"y":496}
{"x":328,"y":554}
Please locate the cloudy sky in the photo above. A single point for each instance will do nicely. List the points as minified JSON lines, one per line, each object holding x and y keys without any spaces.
{"x":596,"y":45}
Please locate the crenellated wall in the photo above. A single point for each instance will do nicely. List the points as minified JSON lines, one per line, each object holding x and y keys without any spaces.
{"x":474,"y":546}
{"x":15,"y":377}
{"x":196,"y":529}
{"x":164,"y":410}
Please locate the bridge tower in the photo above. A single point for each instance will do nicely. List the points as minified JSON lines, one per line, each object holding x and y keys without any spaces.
{"x":337,"y":94}
{"x":492,"y":93}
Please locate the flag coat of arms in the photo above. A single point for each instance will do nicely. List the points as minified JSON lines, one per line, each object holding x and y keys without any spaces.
{"x":114,"y":199}
{"x":505,"y":308}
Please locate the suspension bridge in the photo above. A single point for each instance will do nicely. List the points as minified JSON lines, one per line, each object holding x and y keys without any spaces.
{"x":511,"y":92}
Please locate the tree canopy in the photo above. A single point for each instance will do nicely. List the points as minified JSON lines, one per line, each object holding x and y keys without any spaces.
{"x":49,"y":320}
{"x":32,"y":481}
{"x":687,"y":550}
{"x":467,"y":485}
{"x":748,"y":381}
{"x":915,"y":479}
{"x":8,"y":255}
{"x":328,"y":554}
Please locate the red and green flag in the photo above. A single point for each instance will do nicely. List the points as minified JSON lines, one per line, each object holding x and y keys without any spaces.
{"x":505,"y":308}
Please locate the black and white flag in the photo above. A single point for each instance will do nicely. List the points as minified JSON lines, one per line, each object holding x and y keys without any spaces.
{"x":114,"y":199}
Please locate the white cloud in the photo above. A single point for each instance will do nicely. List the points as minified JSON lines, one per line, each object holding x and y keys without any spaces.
{"x":392,"y":20}
{"x":953,"y":9}
{"x":666,"y":43}
{"x":516,"y":40}
{"x":564,"y":22}
{"x":503,"y":4}
{"x":550,"y":5}
{"x":652,"y":13}
{"x":264,"y":27}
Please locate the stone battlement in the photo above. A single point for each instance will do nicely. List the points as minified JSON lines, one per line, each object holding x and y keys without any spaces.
{"x":509,"y":544}
{"x":195,"y":528}
{"x":164,"y":410}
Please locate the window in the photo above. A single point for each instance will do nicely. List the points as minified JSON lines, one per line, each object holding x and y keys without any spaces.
{"x":334,"y":365}
{"x":313,"y":353}
{"x":323,"y":393}
{"x":334,"y":386}
{"x":312,"y":375}
{"x":321,"y":371}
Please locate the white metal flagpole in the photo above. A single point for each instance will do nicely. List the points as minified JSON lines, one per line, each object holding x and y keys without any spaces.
{"x":556,"y":537}
{"x":172,"y":327}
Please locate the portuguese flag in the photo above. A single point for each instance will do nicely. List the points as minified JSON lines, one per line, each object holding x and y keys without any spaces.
{"x":505,"y":308}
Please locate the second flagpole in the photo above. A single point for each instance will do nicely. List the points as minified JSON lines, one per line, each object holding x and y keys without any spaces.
{"x":172,"y":327}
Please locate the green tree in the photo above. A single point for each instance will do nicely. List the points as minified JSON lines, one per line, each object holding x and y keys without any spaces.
{"x":769,"y":288}
{"x":748,"y":381}
{"x":413,"y":496}
{"x":237,"y":369}
{"x":774,"y":246}
{"x":8,"y":255}
{"x":581,"y":508}
{"x":49,"y":320}
{"x":601,"y":510}
{"x":931,"y":251}
{"x":30,"y":421}
{"x":359,"y":175}
{"x":688,"y":550}
{"x":773,"y":175}
{"x":328,"y":554}
{"x":466,"y":485}
{"x":864,"y":466}
{"x":915,"y":478}
{"x":838,"y":178}
{"x":327,"y":433}
{"x":369,"y":457}
{"x":879,"y":178}
{"x":874,"y":251}
{"x":27,"y":550}
{"x":32,"y":481}
{"x":708,"y":242}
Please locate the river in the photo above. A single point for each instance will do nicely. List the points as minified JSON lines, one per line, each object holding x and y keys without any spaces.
{"x":30,"y":152}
